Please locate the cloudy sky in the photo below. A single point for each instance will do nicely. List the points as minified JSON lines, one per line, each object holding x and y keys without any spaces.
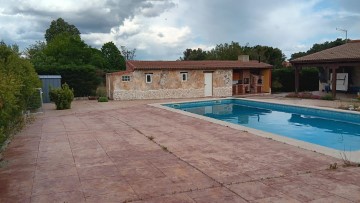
{"x":163,"y":29}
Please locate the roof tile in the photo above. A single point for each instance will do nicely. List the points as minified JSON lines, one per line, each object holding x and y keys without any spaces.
{"x":182,"y":65}
{"x":346,"y":52}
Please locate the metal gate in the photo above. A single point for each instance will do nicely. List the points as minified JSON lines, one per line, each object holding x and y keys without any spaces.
{"x":53,"y":81}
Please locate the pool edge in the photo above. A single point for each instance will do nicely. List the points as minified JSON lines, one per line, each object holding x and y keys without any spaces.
{"x":353,"y":156}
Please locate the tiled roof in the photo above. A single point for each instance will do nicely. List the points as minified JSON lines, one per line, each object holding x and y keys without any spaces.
{"x":190,"y":65}
{"x":348,"y":52}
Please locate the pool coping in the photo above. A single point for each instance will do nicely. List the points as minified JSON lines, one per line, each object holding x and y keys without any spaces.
{"x":353,"y":156}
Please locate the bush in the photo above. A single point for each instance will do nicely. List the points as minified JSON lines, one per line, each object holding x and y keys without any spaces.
{"x":103,"y":99}
{"x":327,"y":97}
{"x":62,"y":97}
{"x":303,"y":95}
{"x":101,"y":91}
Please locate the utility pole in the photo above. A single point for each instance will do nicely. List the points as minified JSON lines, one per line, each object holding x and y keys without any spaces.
{"x":343,"y":30}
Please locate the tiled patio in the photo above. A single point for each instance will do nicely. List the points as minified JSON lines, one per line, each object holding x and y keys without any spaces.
{"x":129,"y":151}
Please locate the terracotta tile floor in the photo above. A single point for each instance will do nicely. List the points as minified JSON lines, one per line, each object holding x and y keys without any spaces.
{"x":129,"y":151}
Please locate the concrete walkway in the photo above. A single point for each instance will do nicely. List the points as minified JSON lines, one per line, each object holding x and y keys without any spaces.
{"x":132,"y":152}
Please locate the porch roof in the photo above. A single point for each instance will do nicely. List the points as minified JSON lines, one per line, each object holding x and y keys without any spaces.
{"x":195,"y":65}
{"x":346,"y":54}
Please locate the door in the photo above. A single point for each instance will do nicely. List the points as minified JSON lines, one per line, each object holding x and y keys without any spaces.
{"x":208,"y":84}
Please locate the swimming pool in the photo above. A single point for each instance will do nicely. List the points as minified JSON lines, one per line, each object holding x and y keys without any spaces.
{"x":332,"y":129}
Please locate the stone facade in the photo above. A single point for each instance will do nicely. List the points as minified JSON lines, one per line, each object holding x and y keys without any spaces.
{"x":167,"y":84}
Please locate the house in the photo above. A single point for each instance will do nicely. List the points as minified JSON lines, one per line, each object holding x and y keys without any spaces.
{"x":189,"y":79}
{"x":339,"y":67}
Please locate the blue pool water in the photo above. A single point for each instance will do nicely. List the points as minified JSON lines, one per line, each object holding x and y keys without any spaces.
{"x":336,"y":130}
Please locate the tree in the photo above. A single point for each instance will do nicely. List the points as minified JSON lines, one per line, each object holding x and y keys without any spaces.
{"x":129,"y":54}
{"x":194,"y":54}
{"x":231,"y":51}
{"x":266,"y":54}
{"x":225,"y":51}
{"x":60,"y":26}
{"x":114,"y":59}
{"x":67,"y":49}
{"x":319,"y":47}
{"x":35,"y":49}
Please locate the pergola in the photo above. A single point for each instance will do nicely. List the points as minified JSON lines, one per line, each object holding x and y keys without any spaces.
{"x":344,"y":55}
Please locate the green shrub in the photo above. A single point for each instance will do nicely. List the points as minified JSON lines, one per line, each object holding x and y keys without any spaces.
{"x":101,"y":91}
{"x":327,"y":97}
{"x":62,"y":97}
{"x":103,"y":99}
{"x":309,"y":79}
{"x":35,"y":100}
{"x":276,"y":86}
{"x":283,"y":80}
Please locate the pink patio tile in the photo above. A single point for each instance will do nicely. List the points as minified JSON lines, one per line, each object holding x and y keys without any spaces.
{"x":138,"y":173}
{"x":217,"y":194}
{"x":15,"y":199}
{"x":68,"y":197}
{"x":254,"y":190}
{"x":48,"y":171}
{"x":100,"y":171}
{"x":176,"y":198}
{"x":55,"y":157}
{"x":348,"y":191}
{"x":56,"y":185}
{"x":188,"y":177}
{"x":107,"y":188}
{"x":277,"y":199}
{"x":54,"y":146}
{"x":15,"y":188}
{"x":84,"y":144}
{"x":306,"y":193}
{"x":331,"y":199}
{"x":154,"y":187}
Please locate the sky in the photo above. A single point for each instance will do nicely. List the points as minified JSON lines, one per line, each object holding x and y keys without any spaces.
{"x":163,"y":29}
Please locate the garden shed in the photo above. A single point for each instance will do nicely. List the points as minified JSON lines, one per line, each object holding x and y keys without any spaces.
{"x":53,"y":81}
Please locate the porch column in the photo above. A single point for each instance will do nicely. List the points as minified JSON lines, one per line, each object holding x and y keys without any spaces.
{"x":333,"y":81}
{"x":296,"y":79}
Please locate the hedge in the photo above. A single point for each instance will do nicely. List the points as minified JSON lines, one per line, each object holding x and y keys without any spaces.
{"x":83,"y":79}
{"x":18,"y":83}
{"x":283,"y":79}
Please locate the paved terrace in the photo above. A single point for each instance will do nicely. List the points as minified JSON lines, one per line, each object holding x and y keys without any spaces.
{"x":129,"y":151}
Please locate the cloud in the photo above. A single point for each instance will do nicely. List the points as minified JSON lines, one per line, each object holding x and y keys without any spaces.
{"x":164,"y":29}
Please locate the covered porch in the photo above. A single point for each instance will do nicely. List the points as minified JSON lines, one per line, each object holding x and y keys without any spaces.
{"x":251,"y":81}
{"x":339,"y":68}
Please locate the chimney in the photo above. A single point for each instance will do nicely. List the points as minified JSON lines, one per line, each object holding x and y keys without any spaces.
{"x":243,"y":58}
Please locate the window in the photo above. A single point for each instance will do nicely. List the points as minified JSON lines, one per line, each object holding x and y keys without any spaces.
{"x":125,"y":78}
{"x":148,"y":77}
{"x":184,"y":76}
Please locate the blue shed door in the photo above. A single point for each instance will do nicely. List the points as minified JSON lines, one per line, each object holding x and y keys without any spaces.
{"x":53,"y":81}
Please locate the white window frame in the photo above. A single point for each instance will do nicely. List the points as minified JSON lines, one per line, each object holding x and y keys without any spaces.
{"x":125,"y":78}
{"x":182,"y":76}
{"x":150,"y":76}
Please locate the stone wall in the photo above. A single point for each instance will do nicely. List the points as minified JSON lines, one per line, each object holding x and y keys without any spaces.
{"x":168,"y":84}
